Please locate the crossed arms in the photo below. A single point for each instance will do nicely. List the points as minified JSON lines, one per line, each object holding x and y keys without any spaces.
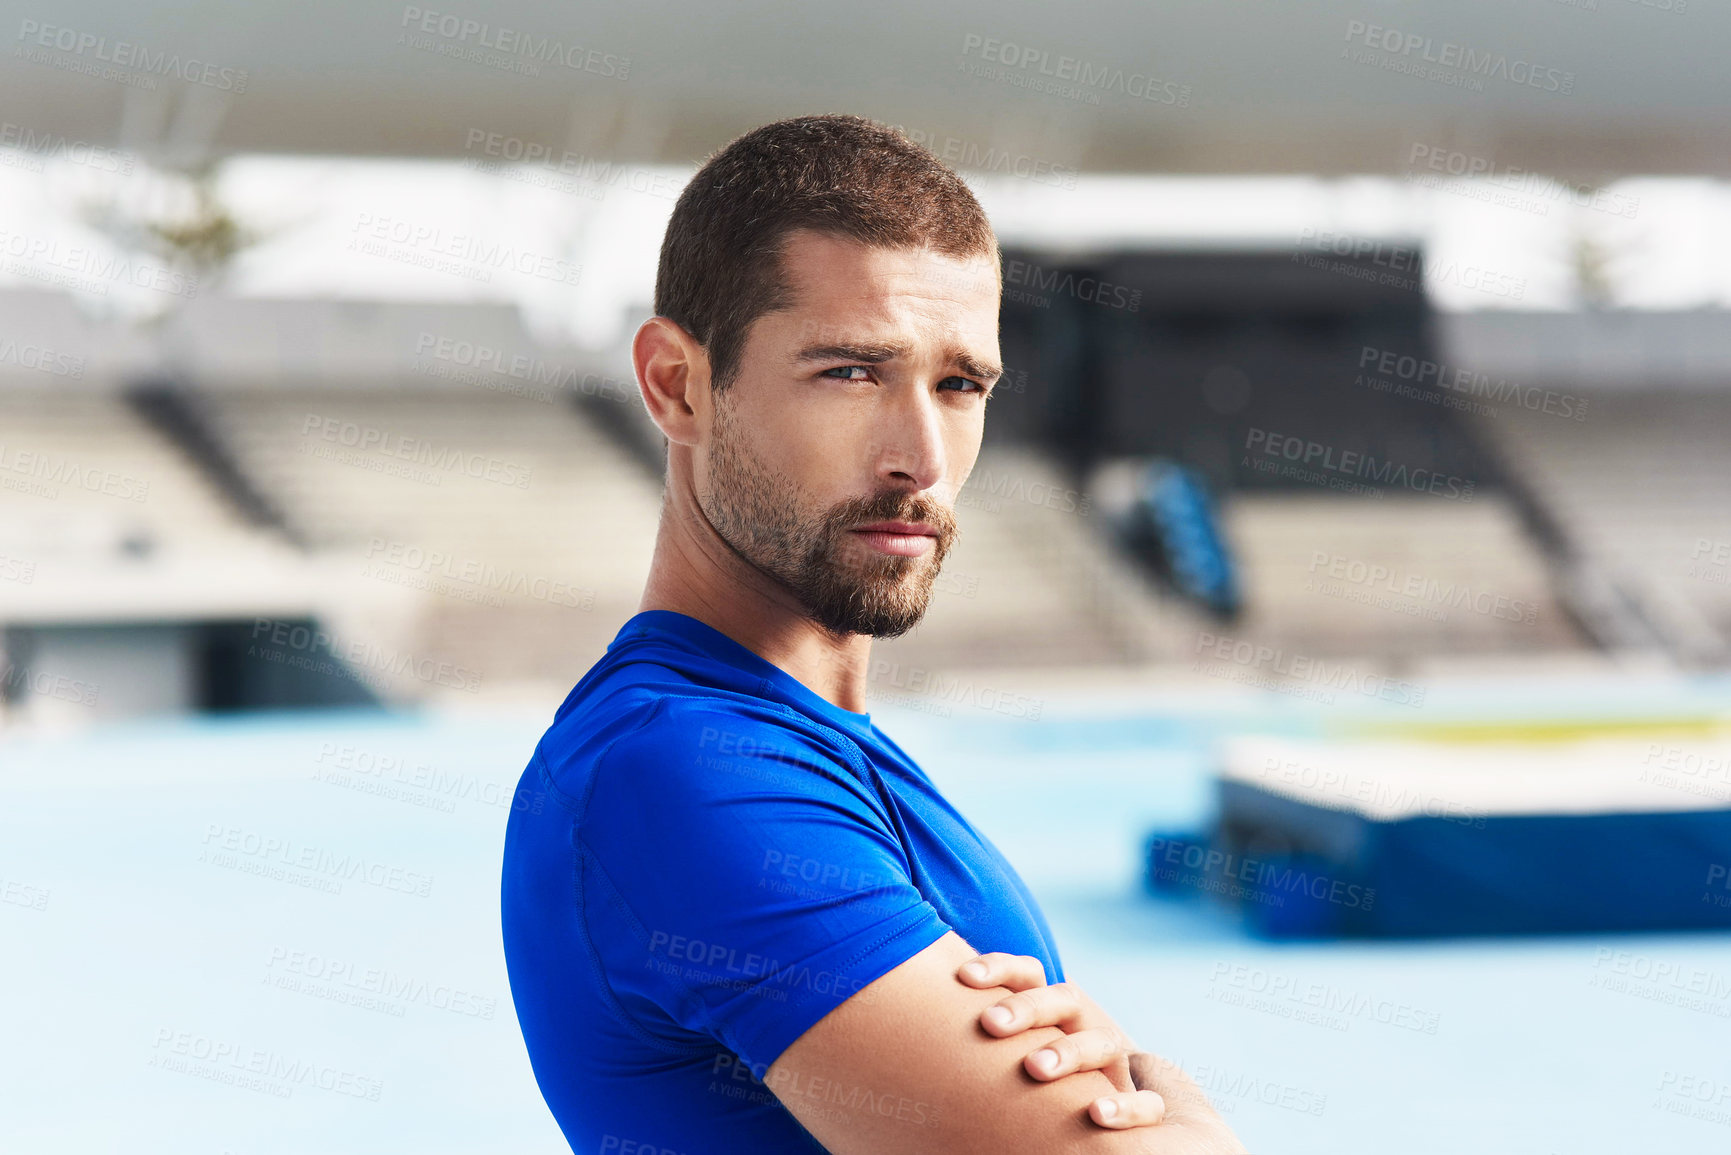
{"x":913,"y":1064}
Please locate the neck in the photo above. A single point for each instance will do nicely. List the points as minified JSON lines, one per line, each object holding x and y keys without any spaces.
{"x":696,"y":573}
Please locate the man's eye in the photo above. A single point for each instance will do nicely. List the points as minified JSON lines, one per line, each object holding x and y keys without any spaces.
{"x":957,"y":384}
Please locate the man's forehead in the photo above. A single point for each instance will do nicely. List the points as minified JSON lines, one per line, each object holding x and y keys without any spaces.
{"x":821,"y":265}
{"x":850,"y":301}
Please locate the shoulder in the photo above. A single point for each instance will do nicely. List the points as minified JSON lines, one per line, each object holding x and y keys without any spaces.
{"x":688,"y":741}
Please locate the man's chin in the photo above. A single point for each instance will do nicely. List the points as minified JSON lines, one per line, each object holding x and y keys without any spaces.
{"x":896,"y":629}
{"x":873,"y":593}
{"x":888,"y":613}
{"x":882,"y":628}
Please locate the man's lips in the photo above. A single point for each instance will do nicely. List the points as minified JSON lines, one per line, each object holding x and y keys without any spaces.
{"x":903,"y":527}
{"x":902,"y":538}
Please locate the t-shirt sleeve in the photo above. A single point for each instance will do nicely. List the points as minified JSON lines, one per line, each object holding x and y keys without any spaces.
{"x":742,"y":875}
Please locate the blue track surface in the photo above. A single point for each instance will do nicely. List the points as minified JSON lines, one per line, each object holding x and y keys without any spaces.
{"x":169,"y":997}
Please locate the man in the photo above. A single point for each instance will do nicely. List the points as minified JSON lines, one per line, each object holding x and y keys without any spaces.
{"x":744,"y":920}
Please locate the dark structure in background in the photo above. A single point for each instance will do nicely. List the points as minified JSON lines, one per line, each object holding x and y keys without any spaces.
{"x":217,"y":666}
{"x":1296,"y":370}
{"x":181,"y":415}
{"x":1312,"y":863}
{"x":241,"y":666}
{"x":1198,"y":357}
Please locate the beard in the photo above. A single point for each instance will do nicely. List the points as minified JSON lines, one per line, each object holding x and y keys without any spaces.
{"x":844,"y":584}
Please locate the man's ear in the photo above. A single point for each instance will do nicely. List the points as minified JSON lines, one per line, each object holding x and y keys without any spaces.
{"x":673,"y":377}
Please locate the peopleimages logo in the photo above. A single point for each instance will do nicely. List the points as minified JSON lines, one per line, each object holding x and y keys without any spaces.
{"x":511,"y":43}
{"x":124,"y":54}
{"x":51,"y":472}
{"x":967,"y":154}
{"x":544,"y":378}
{"x":1084,"y":79}
{"x":1315,"y":455}
{"x":89,"y":269}
{"x":44,"y":146}
{"x":1356,"y":788}
{"x":1405,"y":266}
{"x":591,"y":176}
{"x":1423,"y":372}
{"x":1476,"y":63}
{"x":1375,"y":577}
{"x":1335,"y":1007}
{"x":222,"y":1060}
{"x":18,"y":680}
{"x":720,"y":964}
{"x":1530,"y":190}
{"x":388,"y":443}
{"x":1261,"y":875}
{"x":1262,"y":665}
{"x":468,"y":255}
{"x":294,"y":644}
{"x":1034,"y":280}
{"x":40,"y":358}
{"x":1229,"y":1089}
{"x":342,"y":980}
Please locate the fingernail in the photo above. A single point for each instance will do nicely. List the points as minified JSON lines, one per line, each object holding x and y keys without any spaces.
{"x":1000,"y":1016}
{"x":1046,"y":1059}
{"x":975,"y":970}
{"x":1108,"y":1108}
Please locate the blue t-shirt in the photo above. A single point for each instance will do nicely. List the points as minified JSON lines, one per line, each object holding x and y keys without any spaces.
{"x":724,"y":857}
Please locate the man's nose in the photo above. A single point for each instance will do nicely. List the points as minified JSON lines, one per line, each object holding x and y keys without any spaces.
{"x":913,"y":445}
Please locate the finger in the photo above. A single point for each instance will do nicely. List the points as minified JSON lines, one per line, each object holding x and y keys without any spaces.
{"x":1167,"y":1079}
{"x":1019,"y":972}
{"x":1053,"y":1006}
{"x":1129,"y":1109}
{"x":1088,"y":1050}
{"x":1186,"y":1106}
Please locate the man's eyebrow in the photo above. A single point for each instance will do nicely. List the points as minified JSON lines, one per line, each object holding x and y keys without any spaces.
{"x":873,"y":354}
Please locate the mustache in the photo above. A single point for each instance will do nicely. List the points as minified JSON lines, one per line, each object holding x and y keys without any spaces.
{"x":909,"y":507}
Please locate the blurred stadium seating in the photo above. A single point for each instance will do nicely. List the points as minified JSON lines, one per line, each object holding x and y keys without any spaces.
{"x":513,"y":533}
{"x":1640,"y":492}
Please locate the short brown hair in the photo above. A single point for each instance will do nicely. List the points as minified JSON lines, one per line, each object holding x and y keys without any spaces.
{"x":847,"y":176}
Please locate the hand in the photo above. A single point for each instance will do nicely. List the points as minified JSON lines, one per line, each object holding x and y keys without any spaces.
{"x":1091,"y":1042}
{"x":1198,"y":1128}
